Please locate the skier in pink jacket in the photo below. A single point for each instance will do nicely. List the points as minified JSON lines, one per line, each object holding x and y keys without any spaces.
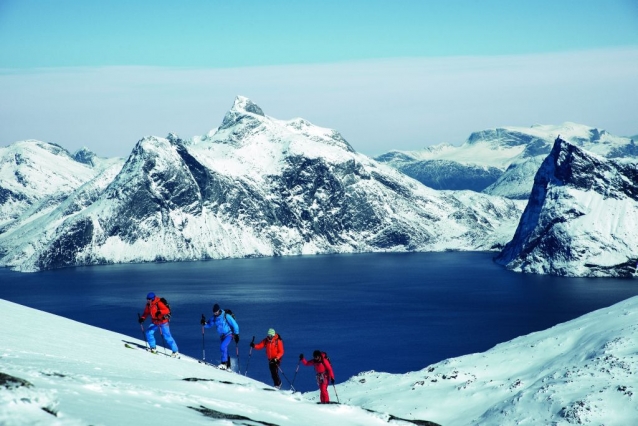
{"x":324,"y":372}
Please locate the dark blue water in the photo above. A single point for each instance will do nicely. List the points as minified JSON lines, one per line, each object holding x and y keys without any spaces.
{"x":384,"y":312}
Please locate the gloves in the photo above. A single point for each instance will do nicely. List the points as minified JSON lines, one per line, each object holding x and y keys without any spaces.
{"x":141,"y":319}
{"x":236,"y":337}
{"x":252,"y":344}
{"x":300,"y":357}
{"x":275,"y":360}
{"x":203,"y":321}
{"x":332,"y":381}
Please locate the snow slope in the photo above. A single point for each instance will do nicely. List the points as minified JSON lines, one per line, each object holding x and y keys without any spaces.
{"x":36,"y":176}
{"x":580,"y":372}
{"x":54,"y":371}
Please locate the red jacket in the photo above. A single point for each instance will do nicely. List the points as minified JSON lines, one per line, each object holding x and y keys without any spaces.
{"x":321,"y":366}
{"x":156,"y":310}
{"x":274,"y":347}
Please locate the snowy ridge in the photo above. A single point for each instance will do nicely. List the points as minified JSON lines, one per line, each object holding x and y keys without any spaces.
{"x":580,"y":218}
{"x":502,"y":161}
{"x":34,"y":172}
{"x":579,"y":372}
{"x":256,"y":186}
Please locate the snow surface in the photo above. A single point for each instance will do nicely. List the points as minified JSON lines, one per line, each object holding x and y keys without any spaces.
{"x":580,"y":372}
{"x":80,"y":375}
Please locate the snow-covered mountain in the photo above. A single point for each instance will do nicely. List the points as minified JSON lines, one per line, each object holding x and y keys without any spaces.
{"x":579,"y":372}
{"x":36,"y":176}
{"x":255,"y":186}
{"x":502,"y":161}
{"x":581,"y":217}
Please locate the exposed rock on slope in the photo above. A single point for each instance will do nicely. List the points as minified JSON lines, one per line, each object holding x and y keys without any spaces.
{"x":580,"y":219}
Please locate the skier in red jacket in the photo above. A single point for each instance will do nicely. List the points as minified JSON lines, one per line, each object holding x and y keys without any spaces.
{"x":274,"y":345}
{"x":324,"y":373}
{"x":159,"y":314}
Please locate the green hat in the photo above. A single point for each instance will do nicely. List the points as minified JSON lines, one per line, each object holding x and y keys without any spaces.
{"x":271,"y":331}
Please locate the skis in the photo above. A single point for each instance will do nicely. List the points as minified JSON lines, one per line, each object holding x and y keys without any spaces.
{"x":126,"y":345}
{"x":214,"y":366}
{"x":179,"y":356}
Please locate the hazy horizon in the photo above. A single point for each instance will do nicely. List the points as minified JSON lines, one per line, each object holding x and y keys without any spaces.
{"x":385,"y":75}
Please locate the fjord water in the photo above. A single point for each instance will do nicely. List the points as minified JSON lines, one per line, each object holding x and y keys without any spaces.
{"x":391,"y":312}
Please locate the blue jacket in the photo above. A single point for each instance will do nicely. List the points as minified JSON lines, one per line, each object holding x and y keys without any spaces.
{"x":224,"y":324}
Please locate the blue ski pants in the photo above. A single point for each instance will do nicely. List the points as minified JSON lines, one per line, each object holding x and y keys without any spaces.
{"x":224,"y":346}
{"x":164,"y":331}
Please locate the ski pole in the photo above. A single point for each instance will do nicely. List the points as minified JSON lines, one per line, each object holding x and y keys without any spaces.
{"x":336,"y":394}
{"x":142,"y":327}
{"x":296,"y":371}
{"x":284,"y":374}
{"x":250,"y":353}
{"x":203,"y":345}
{"x":237,"y":352}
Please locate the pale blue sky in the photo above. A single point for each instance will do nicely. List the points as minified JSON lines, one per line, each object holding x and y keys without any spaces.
{"x":387,"y":74}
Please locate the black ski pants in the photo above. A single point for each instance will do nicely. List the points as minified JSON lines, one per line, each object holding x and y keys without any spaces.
{"x":274,"y":372}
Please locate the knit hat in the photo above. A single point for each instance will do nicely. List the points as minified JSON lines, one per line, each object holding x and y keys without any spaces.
{"x":216,"y":308}
{"x":151,"y":296}
{"x":271,"y":332}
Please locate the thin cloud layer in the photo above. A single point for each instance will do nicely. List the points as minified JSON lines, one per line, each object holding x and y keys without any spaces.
{"x":378,"y":105}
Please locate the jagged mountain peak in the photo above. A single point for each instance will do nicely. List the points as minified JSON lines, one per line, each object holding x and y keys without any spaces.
{"x":85,"y":155}
{"x":243,"y":108}
{"x":243,"y":104}
{"x":577,"y":219}
{"x":247,"y":133}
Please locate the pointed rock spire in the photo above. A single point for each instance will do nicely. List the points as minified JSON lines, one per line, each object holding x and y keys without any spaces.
{"x":242,"y":107}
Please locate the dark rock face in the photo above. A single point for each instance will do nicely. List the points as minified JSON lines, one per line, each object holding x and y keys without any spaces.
{"x":85,"y":156}
{"x":450,"y":175}
{"x":547,"y":239}
{"x":65,"y":248}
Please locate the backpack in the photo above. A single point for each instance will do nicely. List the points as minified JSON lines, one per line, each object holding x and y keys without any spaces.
{"x":229,"y":312}
{"x":168,"y":316}
{"x":327,"y":358}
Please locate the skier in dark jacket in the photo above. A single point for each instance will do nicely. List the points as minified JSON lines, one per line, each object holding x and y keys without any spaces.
{"x":159,"y":314}
{"x":274,"y":351}
{"x":324,"y":373}
{"x":228,"y":330}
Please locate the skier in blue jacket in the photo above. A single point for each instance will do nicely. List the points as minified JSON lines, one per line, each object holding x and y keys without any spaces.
{"x":228,"y":330}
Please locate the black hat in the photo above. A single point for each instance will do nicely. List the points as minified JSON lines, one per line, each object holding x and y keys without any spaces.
{"x":216,"y":308}
{"x":317,"y":353}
